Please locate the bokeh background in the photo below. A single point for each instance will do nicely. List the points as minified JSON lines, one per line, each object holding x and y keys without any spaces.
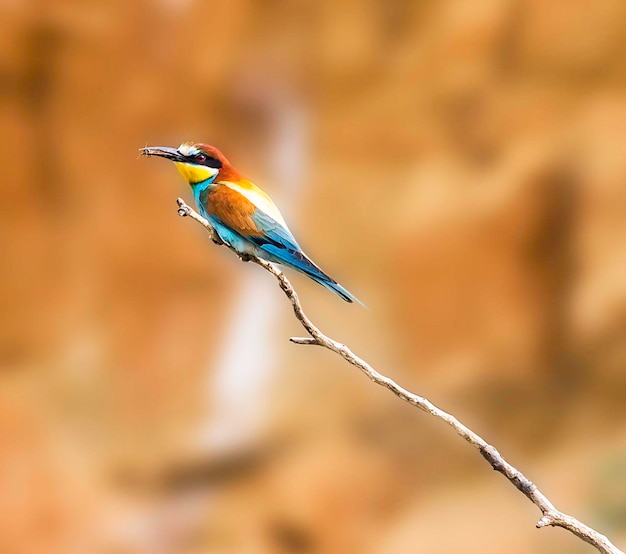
{"x":460,"y":166}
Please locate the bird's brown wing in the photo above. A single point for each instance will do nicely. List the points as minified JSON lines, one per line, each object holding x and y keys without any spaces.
{"x":233,"y":209}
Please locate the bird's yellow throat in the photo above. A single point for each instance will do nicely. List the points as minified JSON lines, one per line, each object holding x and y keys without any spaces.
{"x":196,"y":173}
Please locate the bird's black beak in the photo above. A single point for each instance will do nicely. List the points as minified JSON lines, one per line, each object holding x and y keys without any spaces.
{"x":162,"y":152}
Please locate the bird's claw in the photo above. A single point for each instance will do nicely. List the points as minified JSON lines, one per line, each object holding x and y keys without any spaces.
{"x":245,"y":257}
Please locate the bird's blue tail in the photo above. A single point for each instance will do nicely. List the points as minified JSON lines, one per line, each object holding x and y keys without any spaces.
{"x":300,"y":262}
{"x":339,"y":291}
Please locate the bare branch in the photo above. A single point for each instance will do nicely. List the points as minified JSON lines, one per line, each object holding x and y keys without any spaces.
{"x":550,"y":515}
{"x":304,"y":340}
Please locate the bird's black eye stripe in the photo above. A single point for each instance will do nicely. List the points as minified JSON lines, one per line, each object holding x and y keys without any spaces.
{"x":204,"y":159}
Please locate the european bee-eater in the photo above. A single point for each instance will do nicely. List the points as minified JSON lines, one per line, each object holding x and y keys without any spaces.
{"x":242,"y":214}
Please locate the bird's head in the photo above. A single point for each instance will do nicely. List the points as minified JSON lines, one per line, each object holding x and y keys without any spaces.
{"x":196,"y":162}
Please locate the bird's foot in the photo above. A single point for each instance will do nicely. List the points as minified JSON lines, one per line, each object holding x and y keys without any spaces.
{"x":217,"y":240}
{"x":245,"y":257}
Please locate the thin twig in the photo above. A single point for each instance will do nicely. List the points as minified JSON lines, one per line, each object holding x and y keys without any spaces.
{"x":550,"y":515}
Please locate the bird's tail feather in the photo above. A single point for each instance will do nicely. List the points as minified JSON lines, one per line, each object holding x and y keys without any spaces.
{"x":335,"y":287}
{"x":300,"y":262}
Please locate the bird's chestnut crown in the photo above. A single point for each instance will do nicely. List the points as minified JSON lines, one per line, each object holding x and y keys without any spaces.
{"x":200,"y":154}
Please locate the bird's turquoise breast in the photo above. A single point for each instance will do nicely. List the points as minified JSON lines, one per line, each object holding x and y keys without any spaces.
{"x":200,"y":194}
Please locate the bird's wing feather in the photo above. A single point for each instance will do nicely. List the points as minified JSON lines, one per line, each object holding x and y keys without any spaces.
{"x":258,"y":197}
{"x":245,"y":217}
{"x":233,"y":210}
{"x":273,"y":232}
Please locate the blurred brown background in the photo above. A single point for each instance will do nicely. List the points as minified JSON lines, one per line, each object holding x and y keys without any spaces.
{"x":460,"y":166}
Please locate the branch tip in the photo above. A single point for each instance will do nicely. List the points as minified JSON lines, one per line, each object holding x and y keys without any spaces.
{"x":305,"y":340}
{"x":545,"y":521}
{"x":183,"y":209}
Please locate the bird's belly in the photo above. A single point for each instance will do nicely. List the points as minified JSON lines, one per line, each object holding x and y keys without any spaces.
{"x":235,"y":240}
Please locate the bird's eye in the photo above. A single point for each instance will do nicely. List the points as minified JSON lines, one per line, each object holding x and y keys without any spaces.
{"x":200,"y":158}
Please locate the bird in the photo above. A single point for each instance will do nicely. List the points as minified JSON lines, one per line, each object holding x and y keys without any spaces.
{"x":243,"y":216}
